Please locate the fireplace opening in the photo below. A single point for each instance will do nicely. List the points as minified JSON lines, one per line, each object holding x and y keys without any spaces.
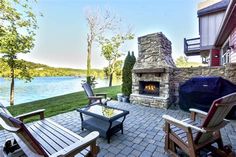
{"x":149,"y":88}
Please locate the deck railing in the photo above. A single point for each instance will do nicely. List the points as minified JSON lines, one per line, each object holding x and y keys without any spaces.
{"x":192,"y":46}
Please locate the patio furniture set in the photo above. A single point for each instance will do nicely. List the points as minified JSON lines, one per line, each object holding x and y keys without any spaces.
{"x":47,"y":138}
{"x":102,"y":118}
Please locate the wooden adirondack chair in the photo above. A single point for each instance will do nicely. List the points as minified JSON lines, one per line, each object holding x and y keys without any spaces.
{"x":191,"y":135}
{"x":45,"y":137}
{"x":98,"y":98}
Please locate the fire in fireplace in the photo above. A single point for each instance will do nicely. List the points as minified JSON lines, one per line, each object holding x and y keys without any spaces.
{"x":149,"y":88}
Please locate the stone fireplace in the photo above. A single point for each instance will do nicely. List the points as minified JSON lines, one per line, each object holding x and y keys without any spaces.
{"x":152,"y":75}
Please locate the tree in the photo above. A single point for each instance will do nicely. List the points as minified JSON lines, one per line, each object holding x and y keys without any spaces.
{"x":127,"y":74}
{"x":18,"y":24}
{"x":183,"y":62}
{"x":118,"y":69}
{"x":110,"y":50}
{"x":98,"y":22}
{"x":133,"y":59}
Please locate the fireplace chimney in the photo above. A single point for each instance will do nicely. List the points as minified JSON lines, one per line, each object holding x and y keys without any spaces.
{"x":154,"y":66}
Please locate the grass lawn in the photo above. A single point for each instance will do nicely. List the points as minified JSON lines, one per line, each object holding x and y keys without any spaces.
{"x":61,"y":104}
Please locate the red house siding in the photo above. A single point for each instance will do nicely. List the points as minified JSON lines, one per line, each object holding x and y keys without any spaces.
{"x":215,"y":57}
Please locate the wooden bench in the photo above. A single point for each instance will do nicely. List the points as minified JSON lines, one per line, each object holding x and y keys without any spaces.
{"x":46,"y":138}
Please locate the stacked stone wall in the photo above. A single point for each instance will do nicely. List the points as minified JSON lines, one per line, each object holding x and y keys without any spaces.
{"x":180,"y":75}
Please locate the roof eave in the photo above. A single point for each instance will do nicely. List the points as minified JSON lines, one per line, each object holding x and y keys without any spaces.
{"x":227,"y":25}
{"x":199,"y":13}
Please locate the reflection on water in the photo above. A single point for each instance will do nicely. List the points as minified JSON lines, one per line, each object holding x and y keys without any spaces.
{"x":43,"y":87}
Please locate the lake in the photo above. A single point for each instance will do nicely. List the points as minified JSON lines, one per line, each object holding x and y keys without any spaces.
{"x":42,"y":88}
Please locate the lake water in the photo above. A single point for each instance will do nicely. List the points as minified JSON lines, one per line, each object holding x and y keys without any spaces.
{"x":42,"y":88}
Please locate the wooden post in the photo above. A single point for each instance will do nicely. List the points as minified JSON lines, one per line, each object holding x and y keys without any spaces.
{"x":94,"y":149}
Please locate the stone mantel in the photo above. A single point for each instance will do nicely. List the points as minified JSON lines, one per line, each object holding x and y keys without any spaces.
{"x":149,"y":71}
{"x":150,"y":97}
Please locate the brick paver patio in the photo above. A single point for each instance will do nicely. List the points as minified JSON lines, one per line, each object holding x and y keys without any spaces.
{"x":143,"y":134}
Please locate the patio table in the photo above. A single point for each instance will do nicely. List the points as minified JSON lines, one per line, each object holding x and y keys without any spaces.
{"x":104,"y":119}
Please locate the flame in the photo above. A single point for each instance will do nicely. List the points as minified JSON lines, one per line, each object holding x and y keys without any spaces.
{"x":150,"y":88}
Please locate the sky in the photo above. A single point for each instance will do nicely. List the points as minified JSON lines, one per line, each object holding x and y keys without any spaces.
{"x":61,"y":37}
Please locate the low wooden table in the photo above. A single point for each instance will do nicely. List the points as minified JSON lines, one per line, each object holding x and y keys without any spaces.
{"x":104,"y":119}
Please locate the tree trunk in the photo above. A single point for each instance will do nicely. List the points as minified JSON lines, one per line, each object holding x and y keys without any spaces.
{"x":89,"y":56}
{"x":110,"y":80}
{"x":12,"y":87}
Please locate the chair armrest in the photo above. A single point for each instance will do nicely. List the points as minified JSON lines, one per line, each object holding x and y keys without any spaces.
{"x":73,"y":149}
{"x":31,"y":114}
{"x":101,"y":94}
{"x":95,"y":97}
{"x":7,"y":127}
{"x":109,"y":99}
{"x":198,"y":111}
{"x":183,"y":125}
{"x":195,"y":112}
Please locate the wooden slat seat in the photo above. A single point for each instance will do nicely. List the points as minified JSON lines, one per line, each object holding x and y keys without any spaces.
{"x":181,"y":134}
{"x":51,"y":137}
{"x":47,"y":138}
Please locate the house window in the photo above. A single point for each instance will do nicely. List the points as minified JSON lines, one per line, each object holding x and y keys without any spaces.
{"x":226,"y":51}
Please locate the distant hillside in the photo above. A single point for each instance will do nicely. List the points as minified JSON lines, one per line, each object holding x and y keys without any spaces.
{"x":41,"y":70}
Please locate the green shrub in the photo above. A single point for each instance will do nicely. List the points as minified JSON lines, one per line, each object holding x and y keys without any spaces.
{"x":127,"y":74}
